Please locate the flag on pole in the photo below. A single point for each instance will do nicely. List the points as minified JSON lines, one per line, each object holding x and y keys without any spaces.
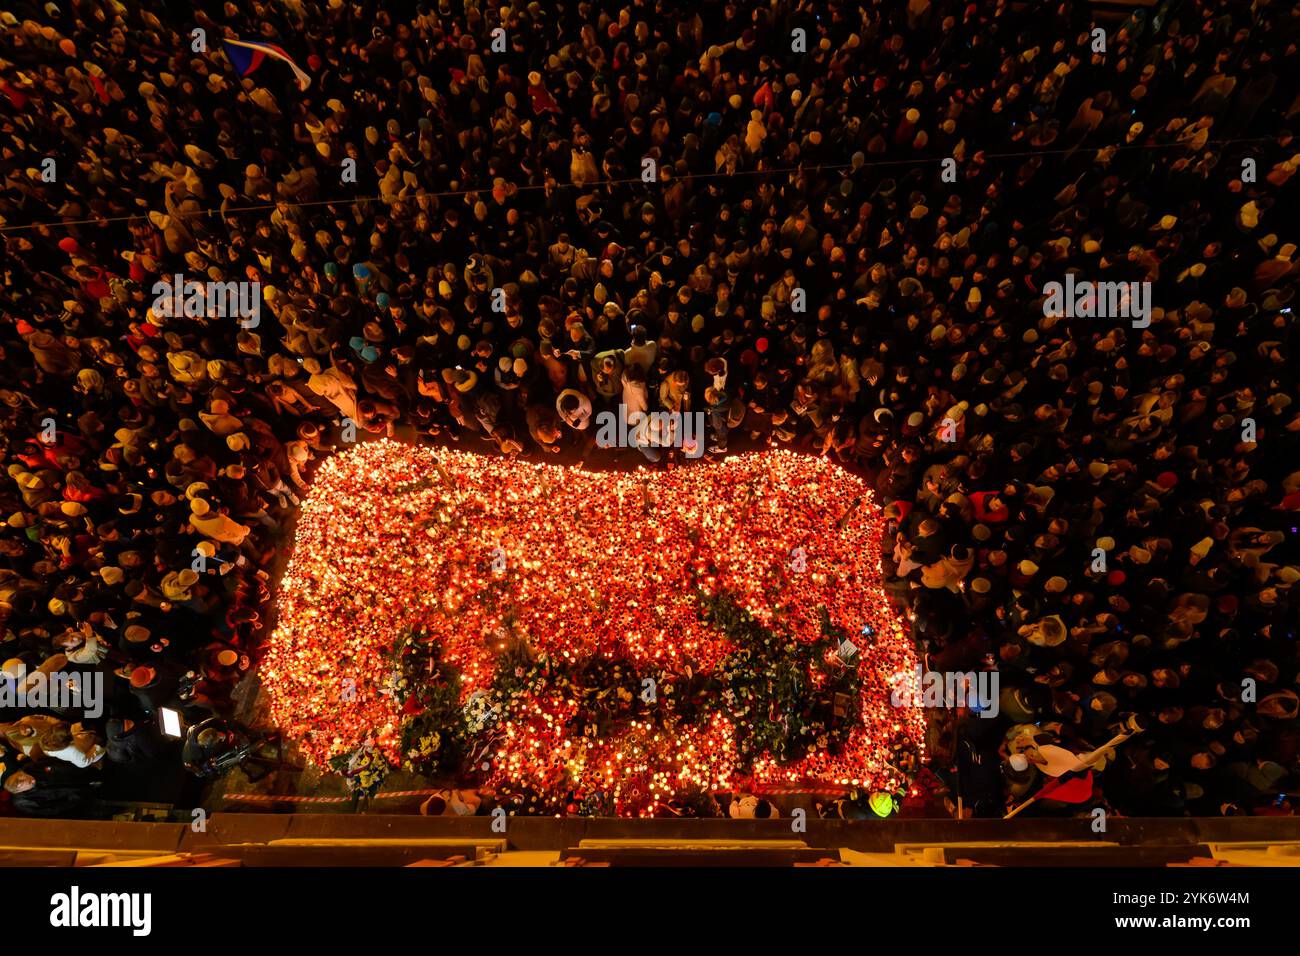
{"x":1073,"y":787}
{"x":1070,"y":775}
{"x":247,"y":56}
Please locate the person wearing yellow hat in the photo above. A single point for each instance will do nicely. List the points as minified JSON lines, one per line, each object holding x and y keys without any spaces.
{"x":178,"y":585}
{"x":882,"y":804}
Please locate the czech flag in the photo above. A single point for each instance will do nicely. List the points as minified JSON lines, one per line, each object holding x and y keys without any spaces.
{"x":247,"y":56}
{"x":1072,"y":787}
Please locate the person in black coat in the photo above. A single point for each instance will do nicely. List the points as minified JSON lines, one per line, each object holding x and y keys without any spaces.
{"x":50,"y":788}
{"x":129,"y":742}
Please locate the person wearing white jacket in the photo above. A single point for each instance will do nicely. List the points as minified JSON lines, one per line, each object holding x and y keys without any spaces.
{"x":44,"y":734}
{"x":76,"y":745}
{"x":636,"y":406}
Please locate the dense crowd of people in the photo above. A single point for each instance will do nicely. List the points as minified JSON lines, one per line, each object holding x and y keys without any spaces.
{"x":1104,"y":513}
